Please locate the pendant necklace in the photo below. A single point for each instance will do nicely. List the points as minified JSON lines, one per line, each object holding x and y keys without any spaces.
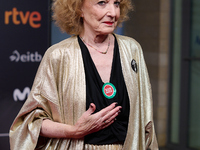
{"x":97,"y":49}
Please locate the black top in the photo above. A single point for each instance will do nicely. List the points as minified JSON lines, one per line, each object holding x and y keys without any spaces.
{"x":116,"y":132}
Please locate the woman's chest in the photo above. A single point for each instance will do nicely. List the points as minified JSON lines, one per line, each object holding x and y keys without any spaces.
{"x":103,"y":64}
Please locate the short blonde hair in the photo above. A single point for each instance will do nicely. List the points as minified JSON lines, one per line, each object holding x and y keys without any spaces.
{"x":67,"y":14}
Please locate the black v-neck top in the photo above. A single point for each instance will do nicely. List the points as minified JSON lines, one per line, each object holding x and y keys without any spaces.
{"x":116,"y":132}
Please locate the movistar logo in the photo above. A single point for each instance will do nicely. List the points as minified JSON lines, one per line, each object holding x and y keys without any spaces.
{"x":21,"y":96}
{"x":28,"y":57}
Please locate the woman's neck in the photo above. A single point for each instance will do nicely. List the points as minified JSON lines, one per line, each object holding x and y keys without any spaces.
{"x":94,"y":38}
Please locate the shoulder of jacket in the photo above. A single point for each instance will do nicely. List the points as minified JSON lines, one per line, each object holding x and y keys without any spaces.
{"x":128,"y":41}
{"x":63,"y":44}
{"x":60,"y":48}
{"x":125,"y":38}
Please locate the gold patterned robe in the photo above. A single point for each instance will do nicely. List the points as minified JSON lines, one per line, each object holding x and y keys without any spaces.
{"x":59,"y":94}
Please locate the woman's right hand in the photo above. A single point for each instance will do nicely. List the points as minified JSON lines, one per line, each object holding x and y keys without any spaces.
{"x":89,"y":122}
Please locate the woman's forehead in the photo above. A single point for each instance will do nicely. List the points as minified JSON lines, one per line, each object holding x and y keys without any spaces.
{"x":101,"y":0}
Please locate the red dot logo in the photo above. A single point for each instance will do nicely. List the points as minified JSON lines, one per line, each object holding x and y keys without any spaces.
{"x":109,"y":90}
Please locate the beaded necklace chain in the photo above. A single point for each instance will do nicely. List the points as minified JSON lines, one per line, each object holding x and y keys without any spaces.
{"x":95,"y":48}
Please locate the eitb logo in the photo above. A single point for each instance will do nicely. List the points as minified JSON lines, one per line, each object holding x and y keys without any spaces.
{"x":27,"y":57}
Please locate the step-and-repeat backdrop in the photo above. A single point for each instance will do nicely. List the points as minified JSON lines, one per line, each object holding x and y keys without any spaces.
{"x":24,"y":37}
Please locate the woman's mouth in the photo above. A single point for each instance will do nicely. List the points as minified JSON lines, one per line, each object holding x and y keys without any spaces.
{"x":109,"y":23}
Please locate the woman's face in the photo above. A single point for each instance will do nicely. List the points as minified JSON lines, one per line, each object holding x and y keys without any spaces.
{"x":100,"y":16}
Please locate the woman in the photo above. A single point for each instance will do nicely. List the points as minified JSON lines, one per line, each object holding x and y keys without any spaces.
{"x":92,"y":90}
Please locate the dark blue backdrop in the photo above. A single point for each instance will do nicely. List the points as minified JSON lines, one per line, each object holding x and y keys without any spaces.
{"x":24,"y":37}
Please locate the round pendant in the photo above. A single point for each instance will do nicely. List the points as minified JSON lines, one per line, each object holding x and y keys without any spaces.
{"x":109,"y":90}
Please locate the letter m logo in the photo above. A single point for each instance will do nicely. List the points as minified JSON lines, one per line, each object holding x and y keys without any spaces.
{"x":21,"y":96}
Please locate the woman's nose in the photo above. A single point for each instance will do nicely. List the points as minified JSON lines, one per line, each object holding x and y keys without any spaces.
{"x":112,"y":10}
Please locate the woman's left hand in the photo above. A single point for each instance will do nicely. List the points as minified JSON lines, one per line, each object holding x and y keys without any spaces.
{"x":89,"y":122}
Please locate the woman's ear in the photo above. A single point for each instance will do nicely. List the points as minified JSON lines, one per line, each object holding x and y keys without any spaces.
{"x":82,"y":14}
{"x":82,"y":10}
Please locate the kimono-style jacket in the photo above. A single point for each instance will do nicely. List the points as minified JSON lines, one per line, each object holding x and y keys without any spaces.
{"x":59,"y":94}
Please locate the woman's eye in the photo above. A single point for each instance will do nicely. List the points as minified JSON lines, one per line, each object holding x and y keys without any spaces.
{"x":117,"y":4}
{"x":101,"y":3}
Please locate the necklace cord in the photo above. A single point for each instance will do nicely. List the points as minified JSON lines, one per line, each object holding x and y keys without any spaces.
{"x":95,"y":48}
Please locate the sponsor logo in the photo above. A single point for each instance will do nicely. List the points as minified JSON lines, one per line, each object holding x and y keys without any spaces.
{"x":21,"y":96}
{"x":18,"y":17}
{"x":28,"y":57}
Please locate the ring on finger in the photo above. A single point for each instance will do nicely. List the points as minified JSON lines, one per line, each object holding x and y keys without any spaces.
{"x":104,"y":121}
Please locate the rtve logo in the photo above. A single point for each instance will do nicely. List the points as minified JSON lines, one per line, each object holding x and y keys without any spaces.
{"x":19,"y":17}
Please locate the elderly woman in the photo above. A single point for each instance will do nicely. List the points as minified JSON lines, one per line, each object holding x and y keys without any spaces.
{"x":92,"y":90}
